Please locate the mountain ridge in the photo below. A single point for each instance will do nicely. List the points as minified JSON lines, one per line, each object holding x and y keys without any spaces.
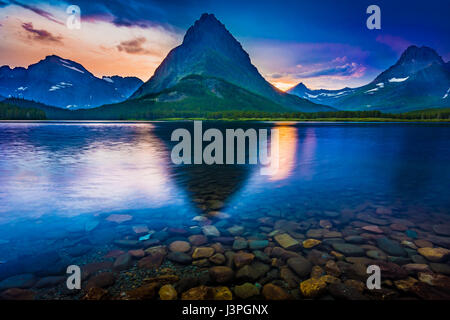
{"x":64,"y":83}
{"x":209,"y":49}
{"x":419,"y":79}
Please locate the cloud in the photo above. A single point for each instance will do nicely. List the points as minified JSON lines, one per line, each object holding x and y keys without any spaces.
{"x":38,"y":11}
{"x":134,"y":46}
{"x":40,"y":34}
{"x":395,"y":43}
{"x":352,"y":70}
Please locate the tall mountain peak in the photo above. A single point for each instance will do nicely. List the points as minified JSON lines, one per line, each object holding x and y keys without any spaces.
{"x":210,"y":50}
{"x":419,"y":54}
{"x":412,"y":60}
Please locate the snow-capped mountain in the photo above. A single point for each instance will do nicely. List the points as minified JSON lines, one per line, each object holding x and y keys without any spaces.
{"x":419,"y":80}
{"x":64,"y":83}
{"x":210,"y":50}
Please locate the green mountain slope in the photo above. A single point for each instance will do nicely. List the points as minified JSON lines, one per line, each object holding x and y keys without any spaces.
{"x":210,"y":50}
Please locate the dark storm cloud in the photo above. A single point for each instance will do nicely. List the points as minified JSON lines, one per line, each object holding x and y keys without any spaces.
{"x":134,"y":46}
{"x":40,"y":34}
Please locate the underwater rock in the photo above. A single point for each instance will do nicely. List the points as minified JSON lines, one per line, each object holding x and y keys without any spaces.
{"x":137,"y":254}
{"x":102,"y":280}
{"x":434,"y":254}
{"x":440,"y":268}
{"x":21,"y":281}
{"x":274,"y":292}
{"x":289,"y":277}
{"x":286,"y":241}
{"x":236,"y":230}
{"x":122,"y":262}
{"x":384,"y":210}
{"x":416,"y":267}
{"x":168,"y":292}
{"x":442,"y":229}
{"x":252,"y":272}
{"x":242,"y":258}
{"x":222,"y":293}
{"x":17,"y":294}
{"x":125,"y":243}
{"x":310,"y":243}
{"x":348,"y":249}
{"x":217,"y":258}
{"x":198,"y":293}
{"x":391,"y":270}
{"x":312,"y":287}
{"x":341,"y":291}
{"x":374,"y":229}
{"x":221,"y":274}
{"x":91,"y":225}
{"x":300,"y":266}
{"x":119,"y":218}
{"x":421,"y":243}
{"x":240,"y":244}
{"x":139,"y":229}
{"x":95,"y":294}
{"x":144,"y":292}
{"x":78,"y":250}
{"x":210,"y":231}
{"x":258,"y":244}
{"x":180,"y":246}
{"x":197,"y":240}
{"x":202,"y":252}
{"x":49,"y":281}
{"x":391,"y":247}
{"x":179,"y":257}
{"x":246,"y":290}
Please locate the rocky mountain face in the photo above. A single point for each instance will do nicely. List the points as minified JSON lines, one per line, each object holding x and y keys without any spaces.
{"x":419,"y":80}
{"x":209,"y":50}
{"x":64,"y":83}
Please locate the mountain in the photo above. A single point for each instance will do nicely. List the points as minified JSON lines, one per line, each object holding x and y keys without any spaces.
{"x":53,"y":113}
{"x":419,"y":80}
{"x":65,"y":84}
{"x":209,"y":50}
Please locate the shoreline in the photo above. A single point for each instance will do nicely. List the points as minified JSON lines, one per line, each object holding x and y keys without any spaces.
{"x":329,"y":120}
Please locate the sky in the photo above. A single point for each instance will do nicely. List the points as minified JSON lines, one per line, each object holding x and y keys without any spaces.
{"x":322,"y":43}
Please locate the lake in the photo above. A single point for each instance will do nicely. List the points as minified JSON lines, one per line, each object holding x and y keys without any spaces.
{"x":88,"y":192}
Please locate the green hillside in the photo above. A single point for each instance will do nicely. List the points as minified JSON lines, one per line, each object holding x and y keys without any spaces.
{"x":11,"y":112}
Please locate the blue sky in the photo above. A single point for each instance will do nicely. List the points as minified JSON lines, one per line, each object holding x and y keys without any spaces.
{"x":322,"y":43}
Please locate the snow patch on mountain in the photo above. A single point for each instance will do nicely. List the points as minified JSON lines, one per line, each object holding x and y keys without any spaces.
{"x":60,"y":85}
{"x":73,"y":68}
{"x":371,"y":91}
{"x":446,"y":94}
{"x":398,"y":79}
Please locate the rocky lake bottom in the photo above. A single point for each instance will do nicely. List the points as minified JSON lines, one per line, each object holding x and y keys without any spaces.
{"x":322,"y":255}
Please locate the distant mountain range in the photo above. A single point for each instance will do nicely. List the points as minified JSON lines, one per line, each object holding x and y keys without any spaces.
{"x":209,"y":50}
{"x":419,"y":80}
{"x":64,"y":83}
{"x":210,"y":71}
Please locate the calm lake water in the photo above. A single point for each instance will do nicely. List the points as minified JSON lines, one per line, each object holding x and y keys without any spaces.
{"x":61,"y":182}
